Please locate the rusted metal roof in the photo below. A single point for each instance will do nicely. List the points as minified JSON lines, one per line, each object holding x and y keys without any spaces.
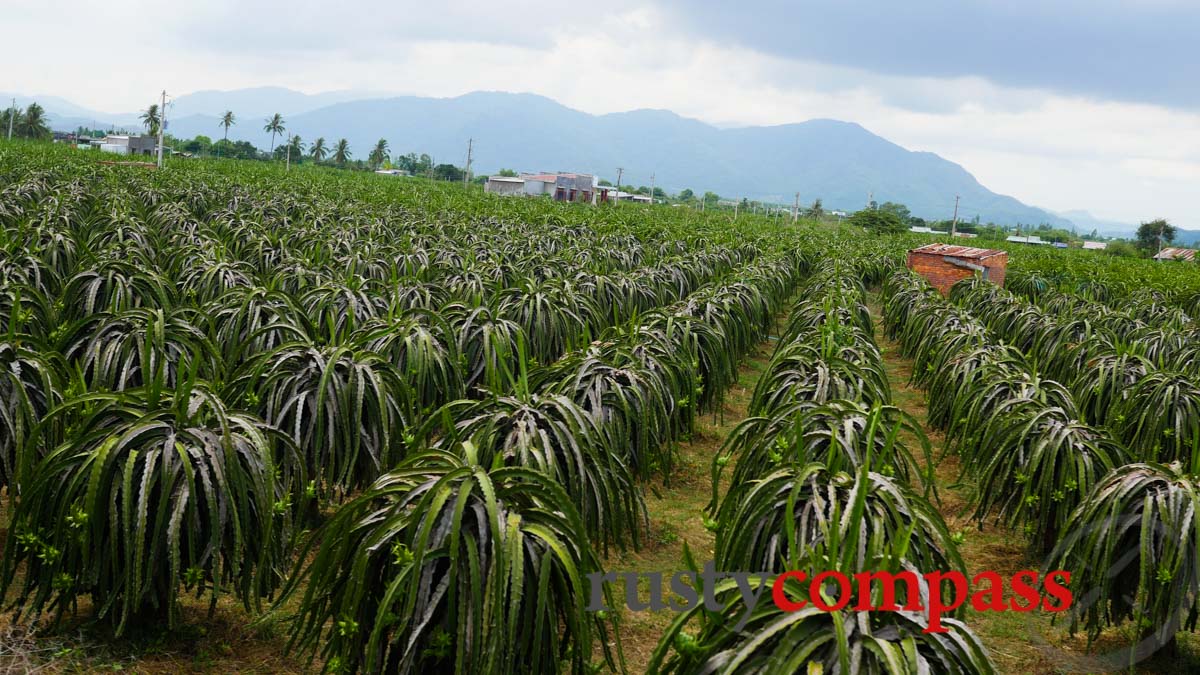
{"x":958,"y":251}
{"x":1176,"y":254}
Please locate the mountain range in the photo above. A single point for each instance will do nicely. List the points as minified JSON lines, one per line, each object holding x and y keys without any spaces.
{"x":841,"y":163}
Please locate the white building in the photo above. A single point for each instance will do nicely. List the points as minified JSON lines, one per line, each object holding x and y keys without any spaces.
{"x":1031,"y":239}
{"x":122,"y":144}
{"x":562,"y":187}
{"x":505,"y":185}
{"x":1095,"y":245}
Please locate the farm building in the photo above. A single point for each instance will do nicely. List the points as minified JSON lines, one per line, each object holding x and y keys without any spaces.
{"x":505,"y":185}
{"x":1031,"y":239}
{"x":1094,"y":245}
{"x":944,"y":265}
{"x":608,"y":193}
{"x":562,"y":187}
{"x":1184,"y":254}
{"x":129,"y":145}
{"x":922,"y":230}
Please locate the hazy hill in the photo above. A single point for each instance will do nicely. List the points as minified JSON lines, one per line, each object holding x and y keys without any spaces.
{"x":839,"y":162}
{"x":1086,"y":222}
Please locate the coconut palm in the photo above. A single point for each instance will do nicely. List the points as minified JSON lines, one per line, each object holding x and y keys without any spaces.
{"x":295,"y":147}
{"x":151,"y":118}
{"x":341,"y":152}
{"x":318,"y":150}
{"x":227,"y":120}
{"x":32,"y":124}
{"x":379,"y":154}
{"x":275,"y":125}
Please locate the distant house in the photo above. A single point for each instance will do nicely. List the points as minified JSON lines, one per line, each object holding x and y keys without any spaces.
{"x":1031,"y":239}
{"x":562,"y":187}
{"x":608,"y":193}
{"x":122,"y":144}
{"x":391,"y":172}
{"x":838,"y":214}
{"x":1095,"y":245}
{"x":505,"y":185}
{"x":1060,"y":244}
{"x":966,"y":235}
{"x":1185,"y":254}
{"x":921,"y":230}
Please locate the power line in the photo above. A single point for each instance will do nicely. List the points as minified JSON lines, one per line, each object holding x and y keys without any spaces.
{"x":467,"y":173}
{"x":162,"y":123}
{"x":954,"y":225}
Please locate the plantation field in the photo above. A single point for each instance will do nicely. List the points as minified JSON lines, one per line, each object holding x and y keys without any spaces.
{"x":264,"y":421}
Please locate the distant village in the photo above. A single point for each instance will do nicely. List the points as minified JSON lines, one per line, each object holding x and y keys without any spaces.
{"x":584,"y":188}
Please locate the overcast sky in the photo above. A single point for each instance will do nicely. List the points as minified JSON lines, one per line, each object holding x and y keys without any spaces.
{"x":1078,"y":105}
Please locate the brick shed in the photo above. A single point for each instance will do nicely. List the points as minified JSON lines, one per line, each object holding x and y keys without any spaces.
{"x":943,"y":265}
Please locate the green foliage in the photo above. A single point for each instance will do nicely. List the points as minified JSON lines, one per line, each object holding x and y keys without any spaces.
{"x":448,"y":172}
{"x":850,"y":533}
{"x":1135,"y":543}
{"x":149,"y":496}
{"x":1152,"y":234}
{"x":1034,"y":465}
{"x":771,"y":523}
{"x":878,"y":221}
{"x":445,"y":565}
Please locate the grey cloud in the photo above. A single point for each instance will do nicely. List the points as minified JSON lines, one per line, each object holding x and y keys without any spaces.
{"x":1105,"y":49}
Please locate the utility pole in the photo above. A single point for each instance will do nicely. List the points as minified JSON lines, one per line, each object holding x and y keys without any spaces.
{"x":796,"y":208}
{"x":736,"y":204}
{"x":12,"y":114}
{"x":287,"y":165}
{"x":162,"y":123}
{"x":619,"y":172}
{"x":467,"y":173}
{"x":1160,"y":235}
{"x":651,"y":189}
{"x":870,"y":199}
{"x":954,"y":223}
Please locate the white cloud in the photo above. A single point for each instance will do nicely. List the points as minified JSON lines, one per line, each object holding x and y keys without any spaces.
{"x":1119,"y":160}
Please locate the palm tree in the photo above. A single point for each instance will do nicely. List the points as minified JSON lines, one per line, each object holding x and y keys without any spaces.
{"x":15,"y":114}
{"x":318,"y":149}
{"x":275,"y":126}
{"x":379,"y":155}
{"x":295,"y":148}
{"x":33,"y":123}
{"x":341,"y":152}
{"x":151,"y":119}
{"x":227,"y":120}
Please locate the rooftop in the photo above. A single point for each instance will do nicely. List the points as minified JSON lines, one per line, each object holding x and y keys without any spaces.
{"x":1176,"y":254}
{"x":958,"y":251}
{"x":1031,"y":239}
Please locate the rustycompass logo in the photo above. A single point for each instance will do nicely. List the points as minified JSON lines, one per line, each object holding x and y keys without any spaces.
{"x":933,"y":594}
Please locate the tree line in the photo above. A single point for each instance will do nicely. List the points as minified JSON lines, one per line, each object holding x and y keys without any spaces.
{"x":28,"y":123}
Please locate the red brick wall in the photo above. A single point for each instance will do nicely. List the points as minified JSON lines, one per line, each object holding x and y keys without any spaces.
{"x":942,"y":275}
